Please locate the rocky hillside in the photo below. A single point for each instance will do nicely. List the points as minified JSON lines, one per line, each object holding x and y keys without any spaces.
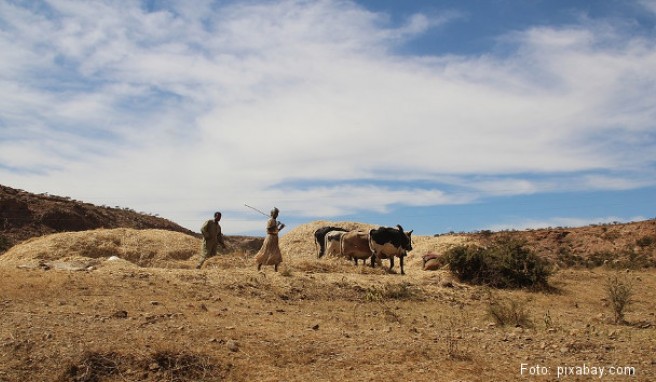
{"x":24,"y":215}
{"x":622,"y":244}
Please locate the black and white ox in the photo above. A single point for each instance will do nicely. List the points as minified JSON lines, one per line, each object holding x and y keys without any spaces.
{"x":320,"y":237}
{"x":333,"y":244}
{"x":387,"y":243}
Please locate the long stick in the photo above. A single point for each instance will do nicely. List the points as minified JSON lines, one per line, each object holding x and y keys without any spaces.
{"x":255,"y":209}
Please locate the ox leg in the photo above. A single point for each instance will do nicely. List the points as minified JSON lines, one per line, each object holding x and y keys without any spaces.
{"x":391,"y":262}
{"x":401,"y":261}
{"x":373,"y":261}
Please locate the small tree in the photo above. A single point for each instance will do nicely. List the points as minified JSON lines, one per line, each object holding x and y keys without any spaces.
{"x":619,"y":291}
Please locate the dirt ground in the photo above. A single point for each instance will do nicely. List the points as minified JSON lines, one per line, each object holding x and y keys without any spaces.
{"x":314,"y":320}
{"x":127,"y":305}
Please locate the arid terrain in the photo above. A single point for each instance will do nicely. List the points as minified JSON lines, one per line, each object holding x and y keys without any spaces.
{"x":121,"y":304}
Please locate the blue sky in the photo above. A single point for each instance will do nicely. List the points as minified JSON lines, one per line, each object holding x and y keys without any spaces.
{"x":436,"y":115}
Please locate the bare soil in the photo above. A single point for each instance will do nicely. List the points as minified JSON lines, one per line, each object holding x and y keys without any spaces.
{"x":147,"y":316}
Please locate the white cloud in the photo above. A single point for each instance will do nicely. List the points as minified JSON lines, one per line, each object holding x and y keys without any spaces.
{"x":217,"y":105}
{"x":554,"y":222}
{"x":650,"y":5}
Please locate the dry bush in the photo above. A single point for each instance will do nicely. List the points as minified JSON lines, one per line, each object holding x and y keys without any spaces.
{"x":646,"y":241}
{"x":619,"y":291}
{"x":93,"y":367}
{"x":456,"y":348}
{"x":183,"y":366}
{"x":506,"y":312}
{"x":508,"y":263}
{"x":164,"y":365}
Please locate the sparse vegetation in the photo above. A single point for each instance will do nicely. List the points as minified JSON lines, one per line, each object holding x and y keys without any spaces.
{"x":619,"y":291}
{"x":600,"y":258}
{"x":646,"y":241}
{"x":505,"y":264}
{"x":170,"y":366}
{"x":509,"y":312}
{"x":456,"y":348}
{"x":568,"y":259}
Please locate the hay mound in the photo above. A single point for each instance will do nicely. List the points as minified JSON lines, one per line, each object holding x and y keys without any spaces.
{"x":298,"y":244}
{"x":146,"y":248}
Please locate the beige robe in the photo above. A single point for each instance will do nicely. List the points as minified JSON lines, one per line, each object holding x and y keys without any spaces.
{"x":270,"y":254}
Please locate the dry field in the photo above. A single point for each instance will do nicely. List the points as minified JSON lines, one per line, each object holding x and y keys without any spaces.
{"x":69,"y":313}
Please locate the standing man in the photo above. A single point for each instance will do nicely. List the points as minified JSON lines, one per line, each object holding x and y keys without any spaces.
{"x":212,"y":237}
{"x":270,"y":254}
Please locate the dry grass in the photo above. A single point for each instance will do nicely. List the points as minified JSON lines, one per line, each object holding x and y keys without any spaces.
{"x":316,"y":319}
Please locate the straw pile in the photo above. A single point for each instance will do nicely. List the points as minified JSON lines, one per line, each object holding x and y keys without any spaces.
{"x":146,"y":248}
{"x":298,"y":244}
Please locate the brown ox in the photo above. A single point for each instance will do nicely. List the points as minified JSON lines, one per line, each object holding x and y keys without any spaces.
{"x":355,"y":246}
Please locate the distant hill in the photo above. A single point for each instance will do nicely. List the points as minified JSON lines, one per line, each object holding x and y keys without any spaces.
{"x":24,"y":215}
{"x":620,"y":244}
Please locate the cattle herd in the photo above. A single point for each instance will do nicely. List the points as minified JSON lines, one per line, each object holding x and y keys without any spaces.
{"x":376,"y":244}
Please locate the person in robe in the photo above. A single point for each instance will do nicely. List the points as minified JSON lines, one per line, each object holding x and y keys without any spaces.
{"x":270,"y":254}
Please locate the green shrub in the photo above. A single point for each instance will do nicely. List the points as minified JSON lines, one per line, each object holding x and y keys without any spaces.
{"x":505,"y":264}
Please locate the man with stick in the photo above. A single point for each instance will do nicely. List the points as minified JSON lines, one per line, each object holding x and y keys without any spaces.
{"x":212,"y":237}
{"x":270,"y":254}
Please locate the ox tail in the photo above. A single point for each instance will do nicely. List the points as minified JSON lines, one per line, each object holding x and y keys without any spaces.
{"x":374,"y":256}
{"x":371,"y":245}
{"x":341,"y":245}
{"x":321,"y":244}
